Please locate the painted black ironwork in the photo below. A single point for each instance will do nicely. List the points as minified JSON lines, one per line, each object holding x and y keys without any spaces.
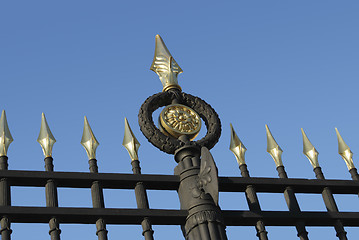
{"x":52,"y":200}
{"x":188,"y":168}
{"x":5,"y":200}
{"x":331,"y":205}
{"x":293,"y":205}
{"x":204,"y":220}
{"x":198,"y":189}
{"x":142,"y":201}
{"x":253,"y":204}
{"x":170,"y":144}
{"x":98,"y":201}
{"x":171,"y":182}
{"x":354,"y":174}
{"x":173,"y":217}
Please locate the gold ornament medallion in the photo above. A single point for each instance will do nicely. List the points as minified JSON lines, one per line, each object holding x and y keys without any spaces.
{"x":178,"y":119}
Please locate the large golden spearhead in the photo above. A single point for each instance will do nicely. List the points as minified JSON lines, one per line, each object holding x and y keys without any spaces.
{"x":130,"y":142}
{"x":273,"y":148}
{"x":46,"y":139}
{"x":309,"y":151}
{"x":237,"y":147}
{"x":89,"y":141}
{"x":165,"y":66}
{"x":345,"y":151}
{"x":5,"y":135}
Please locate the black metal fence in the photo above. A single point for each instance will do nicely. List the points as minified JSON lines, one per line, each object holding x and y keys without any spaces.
{"x":196,"y":177}
{"x":97,"y":181}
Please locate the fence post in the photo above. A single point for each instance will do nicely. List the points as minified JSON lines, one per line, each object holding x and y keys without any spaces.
{"x":4,"y":200}
{"x":5,"y":193}
{"x":238,"y":149}
{"x":47,"y":140}
{"x":312,"y":154}
{"x":276,"y":152}
{"x":132,"y":145}
{"x":204,"y":219}
{"x":90,"y":144}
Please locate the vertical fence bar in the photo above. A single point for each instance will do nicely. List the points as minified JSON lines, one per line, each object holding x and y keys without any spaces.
{"x":142,"y":201}
{"x":276,"y":152}
{"x":5,"y":200}
{"x":98,"y":201}
{"x":253,"y":204}
{"x":52,"y":200}
{"x":347,"y":155}
{"x":312,"y":154}
{"x":132,"y":145}
{"x":354,"y":174}
{"x":293,"y":205}
{"x":331,"y":205}
{"x":238,"y":149}
{"x":47,"y":141}
{"x":90,"y":143}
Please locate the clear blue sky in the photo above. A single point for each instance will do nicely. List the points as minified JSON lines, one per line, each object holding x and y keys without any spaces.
{"x":288,"y":64}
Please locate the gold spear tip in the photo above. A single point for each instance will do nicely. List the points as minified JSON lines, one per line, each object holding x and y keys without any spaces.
{"x":130,"y":142}
{"x":5,"y":135}
{"x":273,"y":148}
{"x":165,"y":66}
{"x":237,"y":147}
{"x":345,"y":151}
{"x":46,"y":139}
{"x":309,"y":150}
{"x":89,"y":141}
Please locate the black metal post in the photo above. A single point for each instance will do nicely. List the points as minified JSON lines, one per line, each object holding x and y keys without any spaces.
{"x":354,"y":174}
{"x":52,"y":200}
{"x":142,"y":201}
{"x":204,"y":220}
{"x":5,"y":200}
{"x":253,"y":204}
{"x":98,"y":201}
{"x":293,"y":205}
{"x":331,"y":205}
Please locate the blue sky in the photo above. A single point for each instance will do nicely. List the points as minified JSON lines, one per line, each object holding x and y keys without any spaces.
{"x":288,"y":64}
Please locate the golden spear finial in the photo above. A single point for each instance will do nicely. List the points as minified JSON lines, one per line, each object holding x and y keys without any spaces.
{"x":5,"y":135}
{"x":165,"y":66}
{"x":46,"y":139}
{"x":309,"y":151}
{"x":273,"y":148}
{"x":130,"y":142}
{"x":89,"y":141}
{"x":345,"y":151}
{"x":237,"y":147}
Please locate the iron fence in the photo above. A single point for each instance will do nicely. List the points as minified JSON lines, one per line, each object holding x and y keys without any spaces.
{"x":196,"y":178}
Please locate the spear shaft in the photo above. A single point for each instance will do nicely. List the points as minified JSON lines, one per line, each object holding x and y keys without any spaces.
{"x":132,"y":145}
{"x":253,"y":204}
{"x":354,"y":174}
{"x":5,"y":200}
{"x":276,"y":152}
{"x":293,"y":205}
{"x":47,"y":141}
{"x":237,"y":147}
{"x":142,"y":201}
{"x":331,"y":205}
{"x":312,"y":154}
{"x":347,"y":155}
{"x":98,"y":201}
{"x":52,"y":200}
{"x":90,"y":143}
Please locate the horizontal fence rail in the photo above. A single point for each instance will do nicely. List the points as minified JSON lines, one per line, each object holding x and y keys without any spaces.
{"x":171,"y":182}
{"x":172,"y":217}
